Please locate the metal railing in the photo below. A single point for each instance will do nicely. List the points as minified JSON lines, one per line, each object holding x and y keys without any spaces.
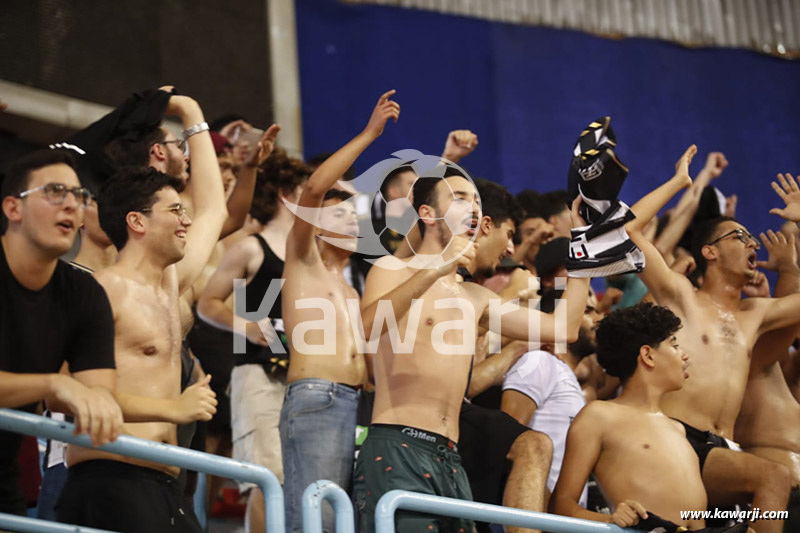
{"x":155,"y":452}
{"x":413,"y":501}
{"x":313,"y":497}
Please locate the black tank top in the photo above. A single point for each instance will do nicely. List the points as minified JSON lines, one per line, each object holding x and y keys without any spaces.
{"x":271,"y":268}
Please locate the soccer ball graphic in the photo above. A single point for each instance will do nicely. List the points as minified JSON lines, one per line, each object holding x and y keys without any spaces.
{"x":399,"y":216}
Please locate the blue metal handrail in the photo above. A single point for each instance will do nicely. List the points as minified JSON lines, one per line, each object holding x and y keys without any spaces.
{"x":157,"y":452}
{"x":23,"y":524}
{"x":313,"y":497}
{"x":426,"y":503}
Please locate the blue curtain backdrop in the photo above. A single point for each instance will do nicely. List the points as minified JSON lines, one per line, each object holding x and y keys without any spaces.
{"x":527,"y":92}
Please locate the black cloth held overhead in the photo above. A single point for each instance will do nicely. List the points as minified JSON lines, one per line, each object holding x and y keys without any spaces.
{"x":597,"y":175}
{"x":142,"y":110}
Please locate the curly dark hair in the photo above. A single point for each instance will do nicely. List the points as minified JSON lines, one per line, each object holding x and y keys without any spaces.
{"x":621,"y":335}
{"x":280,"y":174}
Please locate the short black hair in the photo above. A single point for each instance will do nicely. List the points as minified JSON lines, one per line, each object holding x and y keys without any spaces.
{"x":497,"y":203}
{"x":132,"y":148}
{"x":702,"y":235}
{"x":621,"y":335}
{"x":337,"y":194}
{"x":392,"y":177}
{"x":543,"y":205}
{"x":424,"y":191}
{"x":130,"y":189}
{"x":18,"y":175}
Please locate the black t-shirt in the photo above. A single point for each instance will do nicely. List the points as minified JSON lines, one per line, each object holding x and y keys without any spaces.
{"x":69,"y":319}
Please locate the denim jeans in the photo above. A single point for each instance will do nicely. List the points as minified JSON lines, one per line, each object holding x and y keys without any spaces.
{"x":53,"y":480}
{"x":318,"y":427}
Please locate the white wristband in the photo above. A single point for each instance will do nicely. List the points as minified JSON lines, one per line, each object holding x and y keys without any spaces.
{"x":193,"y":130}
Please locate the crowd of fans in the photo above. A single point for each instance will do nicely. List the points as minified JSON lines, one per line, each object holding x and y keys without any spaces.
{"x":472,"y":360}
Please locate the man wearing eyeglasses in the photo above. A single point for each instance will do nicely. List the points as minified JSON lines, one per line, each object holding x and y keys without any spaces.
{"x":50,"y":312}
{"x":720,"y":329}
{"x":161,"y":252}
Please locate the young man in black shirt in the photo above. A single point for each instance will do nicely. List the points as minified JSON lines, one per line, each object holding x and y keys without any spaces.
{"x":50,"y":312}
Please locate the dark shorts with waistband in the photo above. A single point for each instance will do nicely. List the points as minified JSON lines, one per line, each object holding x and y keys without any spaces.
{"x":485,"y":438}
{"x":122,"y":497}
{"x":404,"y":458}
{"x":703,"y":442}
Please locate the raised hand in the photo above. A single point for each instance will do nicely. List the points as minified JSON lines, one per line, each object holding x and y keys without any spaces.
{"x":782,"y":252}
{"x":682,"y":166}
{"x":790,"y":194}
{"x":459,"y":253}
{"x":758,"y":287}
{"x":684,"y":265}
{"x":197,"y":402}
{"x":459,"y":144}
{"x":384,"y":110}
{"x":577,"y":219}
{"x":715,"y":164}
{"x":265,"y":146}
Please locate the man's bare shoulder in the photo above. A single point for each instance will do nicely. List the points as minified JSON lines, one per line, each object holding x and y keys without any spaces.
{"x":113,"y":280}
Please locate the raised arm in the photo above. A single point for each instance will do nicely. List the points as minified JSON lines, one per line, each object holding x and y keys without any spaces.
{"x":688,"y":204}
{"x":459,"y":144}
{"x":787,"y":189}
{"x":660,"y":280}
{"x":300,"y":242}
{"x":393,"y":285}
{"x":242,"y":195}
{"x":205,"y":187}
{"x":772,"y":346}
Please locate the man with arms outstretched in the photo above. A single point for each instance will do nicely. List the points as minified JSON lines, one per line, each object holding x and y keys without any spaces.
{"x":419,"y":388}
{"x":720,"y":329}
{"x":318,"y":418}
{"x":161,"y":252}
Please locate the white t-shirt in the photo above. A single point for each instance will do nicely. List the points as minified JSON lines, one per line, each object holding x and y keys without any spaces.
{"x":552,"y":385}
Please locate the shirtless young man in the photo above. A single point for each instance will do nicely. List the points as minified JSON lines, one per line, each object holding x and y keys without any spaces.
{"x":769,"y":421}
{"x":720,"y":330}
{"x":641,"y":458}
{"x":326,"y":367}
{"x":258,"y":378}
{"x":161,"y":251}
{"x":418,"y":397}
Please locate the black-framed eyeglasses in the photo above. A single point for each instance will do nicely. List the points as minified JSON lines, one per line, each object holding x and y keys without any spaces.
{"x":182,"y":145}
{"x":740,"y":234}
{"x":176,"y":209}
{"x":56,"y":193}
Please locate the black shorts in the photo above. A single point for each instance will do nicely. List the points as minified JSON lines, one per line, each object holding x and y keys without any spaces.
{"x":213,"y":347}
{"x":485,"y":438}
{"x":702,"y":442}
{"x":123,"y":497}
